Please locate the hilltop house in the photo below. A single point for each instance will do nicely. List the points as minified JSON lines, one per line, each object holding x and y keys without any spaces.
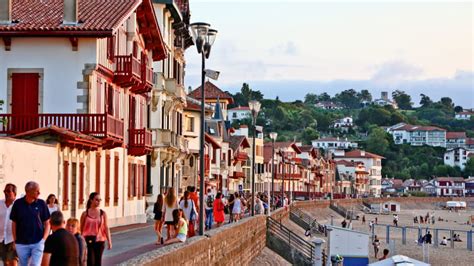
{"x":331,"y":143}
{"x":238,"y":113}
{"x":384,"y":100}
{"x":418,"y":135}
{"x":458,"y":157}
{"x":465,"y":115}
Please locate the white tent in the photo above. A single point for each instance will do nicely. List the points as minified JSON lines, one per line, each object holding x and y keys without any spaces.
{"x":399,"y":260}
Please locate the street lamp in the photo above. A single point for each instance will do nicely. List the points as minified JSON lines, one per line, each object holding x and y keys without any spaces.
{"x":254,"y":108}
{"x":204,"y":38}
{"x":273,"y":136}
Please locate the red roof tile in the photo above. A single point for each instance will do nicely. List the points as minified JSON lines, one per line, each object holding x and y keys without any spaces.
{"x":455,"y":135}
{"x":426,"y":128}
{"x":470,"y":141}
{"x":360,"y":154}
{"x":96,"y":18}
{"x":211,"y":92}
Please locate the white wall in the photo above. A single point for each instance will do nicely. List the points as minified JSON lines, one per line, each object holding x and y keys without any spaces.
{"x":15,"y":155}
{"x":61,"y":66}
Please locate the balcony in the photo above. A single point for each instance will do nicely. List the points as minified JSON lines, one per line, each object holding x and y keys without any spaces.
{"x":237,"y":175}
{"x":127,"y":71}
{"x":172,"y":87}
{"x":139,"y":142}
{"x":146,"y":80}
{"x":241,"y":156}
{"x":97,"y":125}
{"x":165,"y":138}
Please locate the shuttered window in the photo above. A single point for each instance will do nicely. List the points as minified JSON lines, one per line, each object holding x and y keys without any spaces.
{"x":107,"y":179}
{"x":97,"y":172}
{"x":81,"y":183}
{"x":111,"y":47}
{"x":65,"y":185}
{"x":116,"y":180}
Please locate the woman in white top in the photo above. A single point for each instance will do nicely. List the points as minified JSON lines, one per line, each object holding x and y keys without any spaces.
{"x":171,"y":204}
{"x":237,"y":209}
{"x":189,"y":209}
{"x":52,"y":202}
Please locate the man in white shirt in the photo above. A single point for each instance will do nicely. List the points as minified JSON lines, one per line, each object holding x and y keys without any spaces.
{"x":7,"y":246}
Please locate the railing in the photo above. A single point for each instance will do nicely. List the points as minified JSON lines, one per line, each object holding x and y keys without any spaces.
{"x":343,"y":211}
{"x":288,"y":244}
{"x":126,"y":65}
{"x":147,"y":75}
{"x":139,"y":137}
{"x":98,"y":125}
{"x":305,"y":221}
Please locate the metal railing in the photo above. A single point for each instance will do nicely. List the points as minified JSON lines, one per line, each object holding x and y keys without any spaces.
{"x":343,"y":211}
{"x":282,"y":240}
{"x":305,"y":221}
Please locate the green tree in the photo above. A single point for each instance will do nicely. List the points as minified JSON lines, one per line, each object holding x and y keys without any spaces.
{"x":348,"y":98}
{"x":469,"y":167}
{"x":458,"y":109}
{"x":364,"y":95}
{"x":245,"y":95}
{"x":324,"y":97}
{"x":425,"y":100}
{"x":402,"y":99}
{"x":377,"y":141}
{"x":309,"y":134}
{"x":311,"y":98}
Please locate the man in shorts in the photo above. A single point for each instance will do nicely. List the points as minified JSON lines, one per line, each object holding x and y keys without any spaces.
{"x":7,"y":246}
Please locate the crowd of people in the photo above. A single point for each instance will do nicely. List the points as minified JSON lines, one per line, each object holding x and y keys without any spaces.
{"x":35,"y":232}
{"x":180,"y":214}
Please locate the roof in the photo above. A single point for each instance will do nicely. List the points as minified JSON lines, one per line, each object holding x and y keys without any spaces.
{"x":455,"y":135}
{"x":407,"y":127}
{"x":236,"y":141}
{"x":218,"y":111}
{"x":65,"y":136}
{"x":285,"y":144}
{"x":267,"y":153}
{"x":210,"y":139}
{"x":346,"y":163}
{"x":96,"y":18}
{"x":361,"y":154}
{"x":465,"y":113}
{"x":330,"y":139}
{"x":470,"y":141}
{"x":240,"y":108}
{"x":306,"y":148}
{"x":456,"y":179}
{"x":211,"y":91}
{"x":195,"y":105}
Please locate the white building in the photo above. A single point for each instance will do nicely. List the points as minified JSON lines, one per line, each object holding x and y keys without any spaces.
{"x":457,"y":157}
{"x":449,"y":186}
{"x":464,"y":115}
{"x":384,"y":100}
{"x":328,"y":106}
{"x":343,"y":124}
{"x":418,"y":135}
{"x":83,"y":88}
{"x":373,"y":164}
{"x":455,"y":139}
{"x":239,"y":113}
{"x":333,"y":143}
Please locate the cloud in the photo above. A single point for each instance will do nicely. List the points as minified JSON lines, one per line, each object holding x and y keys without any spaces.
{"x":395,"y":71}
{"x":289,"y":48}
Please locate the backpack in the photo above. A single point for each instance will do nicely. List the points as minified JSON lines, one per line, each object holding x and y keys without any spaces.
{"x":210,"y":201}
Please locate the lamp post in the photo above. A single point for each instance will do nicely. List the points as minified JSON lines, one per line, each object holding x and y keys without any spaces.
{"x":204,"y":38}
{"x":255,"y":108}
{"x":273,"y":137}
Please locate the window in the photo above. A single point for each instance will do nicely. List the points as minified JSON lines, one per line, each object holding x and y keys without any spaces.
{"x":234,"y":115}
{"x":190,"y":124}
{"x":81,"y":183}
{"x":107,"y":179}
{"x":97,"y":172}
{"x":65,"y":185}
{"x":116,"y":180}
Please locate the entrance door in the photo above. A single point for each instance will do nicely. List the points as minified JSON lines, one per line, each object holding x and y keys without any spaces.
{"x":393,"y":207}
{"x":25,"y":101}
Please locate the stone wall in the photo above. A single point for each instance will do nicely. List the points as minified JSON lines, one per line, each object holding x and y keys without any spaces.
{"x":232,"y":244}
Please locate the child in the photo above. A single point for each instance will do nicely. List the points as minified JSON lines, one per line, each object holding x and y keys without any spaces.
{"x":72,"y":226}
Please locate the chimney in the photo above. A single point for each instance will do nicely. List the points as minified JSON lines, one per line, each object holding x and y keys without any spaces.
{"x":71,"y":9}
{"x":5,"y":11}
{"x":362,"y":153}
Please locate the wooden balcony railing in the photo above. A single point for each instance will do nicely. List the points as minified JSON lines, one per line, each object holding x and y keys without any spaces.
{"x":139,"y":142}
{"x":127,"y":70}
{"x":97,"y":125}
{"x":146,"y":82}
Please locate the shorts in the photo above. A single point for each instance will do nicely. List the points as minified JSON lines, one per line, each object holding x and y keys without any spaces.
{"x":8,"y":252}
{"x":181,"y":237}
{"x":169,"y":222}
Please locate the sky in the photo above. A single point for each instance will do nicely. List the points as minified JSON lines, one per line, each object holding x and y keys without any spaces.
{"x":290,"y":48}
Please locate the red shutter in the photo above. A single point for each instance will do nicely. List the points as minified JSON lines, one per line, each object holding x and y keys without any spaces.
{"x":65,"y":184}
{"x":97,"y":172}
{"x":107,"y":179}
{"x":116,"y":180}
{"x":117,"y":103}
{"x":25,"y":91}
{"x":135,"y":49}
{"x":140,"y":181}
{"x":110,"y":100}
{"x":130,"y":180}
{"x":136,"y":179}
{"x":99,"y":98}
{"x":142,"y":107}
{"x":144,"y":179}
{"x":111,"y":47}
{"x":81,"y":183}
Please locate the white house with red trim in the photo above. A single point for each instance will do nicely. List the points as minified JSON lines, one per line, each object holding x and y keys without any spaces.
{"x":239,"y":113}
{"x":465,"y":115}
{"x":416,"y":135}
{"x":77,"y":74}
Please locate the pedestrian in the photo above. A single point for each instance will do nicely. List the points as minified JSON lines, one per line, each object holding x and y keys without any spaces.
{"x":95,"y":229}
{"x":230,"y":203}
{"x":371,"y":224}
{"x":444,"y":242}
{"x":218,"y":210}
{"x":52,"y":202}
{"x":72,"y":226}
{"x":421,"y":219}
{"x":158,"y":217}
{"x":208,"y":207}
{"x":376,"y":245}
{"x":61,"y":247}
{"x":433,"y":219}
{"x":344,"y":223}
{"x":385,"y":254}
{"x":194,"y":196}
{"x":363,"y":219}
{"x":376,"y":220}
{"x":7,"y":247}
{"x":237,"y":209}
{"x":30,"y":225}
{"x":187,"y":205}
{"x":428,"y":237}
{"x":258,"y":207}
{"x":170,"y":205}
{"x":395,"y":220}
{"x":181,"y":227}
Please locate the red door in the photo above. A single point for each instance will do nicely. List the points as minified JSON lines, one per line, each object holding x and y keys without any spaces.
{"x":25,"y":101}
